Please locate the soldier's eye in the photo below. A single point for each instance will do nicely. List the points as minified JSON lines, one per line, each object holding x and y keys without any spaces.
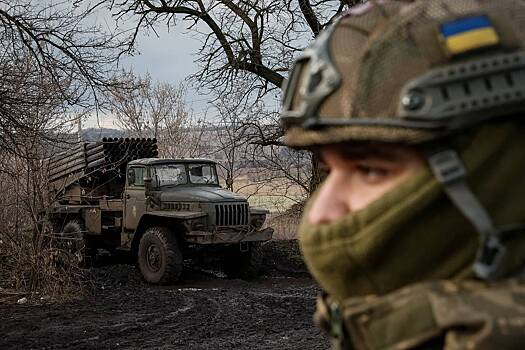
{"x":372,"y":173}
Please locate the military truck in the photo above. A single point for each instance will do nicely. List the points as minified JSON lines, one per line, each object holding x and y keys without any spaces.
{"x":117,"y":195}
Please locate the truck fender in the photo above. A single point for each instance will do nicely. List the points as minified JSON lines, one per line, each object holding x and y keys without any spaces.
{"x":175,"y":221}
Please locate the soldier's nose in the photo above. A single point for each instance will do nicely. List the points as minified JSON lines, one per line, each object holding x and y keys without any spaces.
{"x":332,"y":201}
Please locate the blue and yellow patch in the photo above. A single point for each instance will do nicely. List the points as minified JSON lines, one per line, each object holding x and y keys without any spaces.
{"x":468,"y":34}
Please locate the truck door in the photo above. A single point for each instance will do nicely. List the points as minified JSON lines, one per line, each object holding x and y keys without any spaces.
{"x":134,"y":197}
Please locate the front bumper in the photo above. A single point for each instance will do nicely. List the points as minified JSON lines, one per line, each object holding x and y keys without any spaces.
{"x":228,"y":237}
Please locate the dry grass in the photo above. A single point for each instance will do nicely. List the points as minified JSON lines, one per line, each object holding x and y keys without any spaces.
{"x":35,"y":265}
{"x":285,"y":224}
{"x":284,"y":201}
{"x":275,"y":195}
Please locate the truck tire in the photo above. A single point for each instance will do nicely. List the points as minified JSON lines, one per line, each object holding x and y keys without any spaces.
{"x":67,"y":243}
{"x":76,"y":243}
{"x":245,"y":265}
{"x":160,"y":258}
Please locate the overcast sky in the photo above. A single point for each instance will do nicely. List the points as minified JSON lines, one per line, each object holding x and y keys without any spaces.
{"x":167,"y":58}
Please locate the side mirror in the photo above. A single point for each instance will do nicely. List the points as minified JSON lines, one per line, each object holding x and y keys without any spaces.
{"x":229,"y":183}
{"x":131,"y":177}
{"x":148,"y":184}
{"x":151,"y":183}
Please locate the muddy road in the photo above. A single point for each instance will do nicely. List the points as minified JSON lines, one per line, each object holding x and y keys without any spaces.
{"x":204,"y":311}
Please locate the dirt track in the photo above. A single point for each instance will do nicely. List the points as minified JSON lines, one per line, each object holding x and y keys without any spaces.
{"x":205,"y":311}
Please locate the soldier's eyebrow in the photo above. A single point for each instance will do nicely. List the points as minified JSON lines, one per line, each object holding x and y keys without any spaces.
{"x":359,"y":152}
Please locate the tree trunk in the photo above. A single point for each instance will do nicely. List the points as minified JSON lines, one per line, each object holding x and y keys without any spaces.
{"x":319,"y":173}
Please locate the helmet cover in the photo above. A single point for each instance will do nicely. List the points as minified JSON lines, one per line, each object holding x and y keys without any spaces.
{"x":407,"y":72}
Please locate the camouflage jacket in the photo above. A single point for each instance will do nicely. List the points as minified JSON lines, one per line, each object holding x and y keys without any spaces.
{"x":432,"y":315}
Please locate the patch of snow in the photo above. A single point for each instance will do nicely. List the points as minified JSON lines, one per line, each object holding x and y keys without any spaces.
{"x":194,"y":289}
{"x":215,"y":273}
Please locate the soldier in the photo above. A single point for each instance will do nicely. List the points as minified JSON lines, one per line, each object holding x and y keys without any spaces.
{"x":417,"y":235}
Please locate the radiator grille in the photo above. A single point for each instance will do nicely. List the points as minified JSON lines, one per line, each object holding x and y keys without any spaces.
{"x":231,"y":214}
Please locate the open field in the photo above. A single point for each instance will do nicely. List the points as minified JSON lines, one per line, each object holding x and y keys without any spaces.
{"x":275,"y":195}
{"x":204,"y":311}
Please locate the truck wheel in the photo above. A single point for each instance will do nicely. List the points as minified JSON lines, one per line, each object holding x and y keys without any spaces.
{"x":246,"y":265}
{"x":72,"y":234}
{"x":160,"y":258}
{"x":71,"y":241}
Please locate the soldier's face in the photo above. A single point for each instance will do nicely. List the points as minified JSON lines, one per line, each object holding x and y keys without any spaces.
{"x":358,"y":175}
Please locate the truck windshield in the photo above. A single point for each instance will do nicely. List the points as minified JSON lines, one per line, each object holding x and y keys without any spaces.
{"x":171,"y":174}
{"x":203,"y":174}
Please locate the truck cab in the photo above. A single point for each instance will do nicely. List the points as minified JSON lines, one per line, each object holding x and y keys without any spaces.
{"x":185,"y":199}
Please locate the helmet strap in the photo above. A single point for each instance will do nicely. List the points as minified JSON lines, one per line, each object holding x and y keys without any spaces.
{"x":449,"y":170}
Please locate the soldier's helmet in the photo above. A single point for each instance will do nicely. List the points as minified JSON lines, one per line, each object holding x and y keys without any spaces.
{"x":400,"y":71}
{"x":414,"y":72}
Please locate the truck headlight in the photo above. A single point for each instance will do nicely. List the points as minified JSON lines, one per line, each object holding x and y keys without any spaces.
{"x":257,"y":221}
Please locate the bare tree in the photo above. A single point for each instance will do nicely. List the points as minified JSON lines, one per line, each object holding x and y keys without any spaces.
{"x":51,"y":66}
{"x":268,"y":171}
{"x":182,"y":137}
{"x":140,"y":106}
{"x":50,"y":61}
{"x":290,"y":170}
{"x":147,"y":109}
{"x":227,"y":143}
{"x":241,"y":40}
{"x":247,"y":45}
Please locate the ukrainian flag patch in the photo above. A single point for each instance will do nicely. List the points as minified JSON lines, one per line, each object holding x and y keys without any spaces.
{"x":468,"y":34}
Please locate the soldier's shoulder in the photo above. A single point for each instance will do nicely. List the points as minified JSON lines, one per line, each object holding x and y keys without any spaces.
{"x":460,"y":315}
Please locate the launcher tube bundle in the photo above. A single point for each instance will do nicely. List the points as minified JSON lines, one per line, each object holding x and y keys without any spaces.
{"x":92,"y":159}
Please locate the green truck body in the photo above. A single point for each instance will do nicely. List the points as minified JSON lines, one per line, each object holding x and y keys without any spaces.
{"x":118,"y":196}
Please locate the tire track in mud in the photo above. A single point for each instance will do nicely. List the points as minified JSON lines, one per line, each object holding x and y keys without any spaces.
{"x":151,"y":319}
{"x":204,"y":311}
{"x":244,"y":322}
{"x":236,"y":315}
